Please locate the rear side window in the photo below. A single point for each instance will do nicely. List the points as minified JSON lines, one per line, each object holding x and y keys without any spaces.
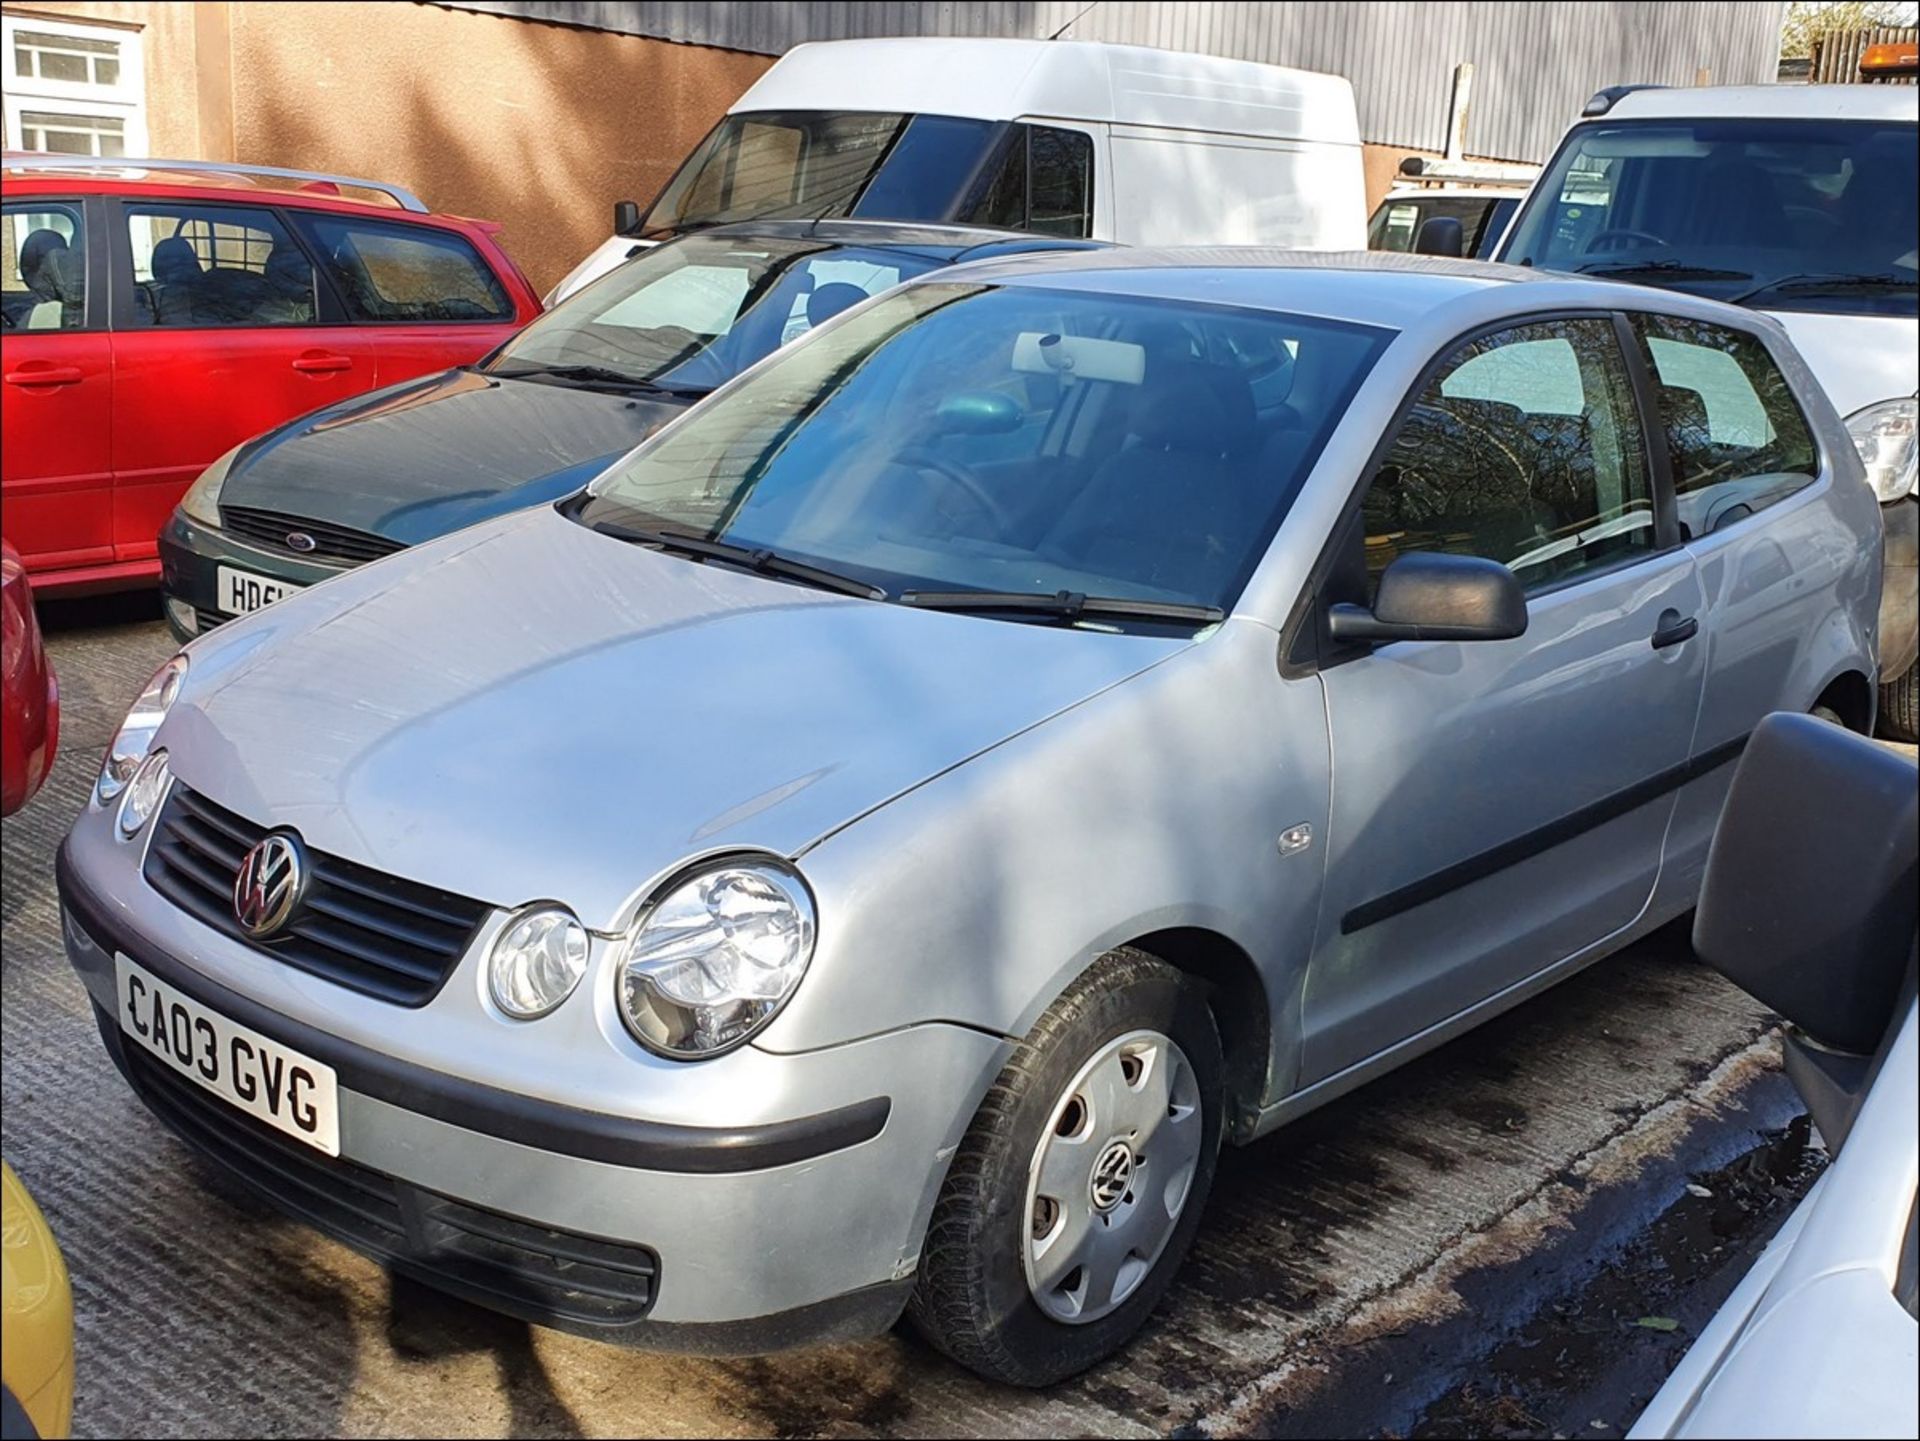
{"x":196,"y":266}
{"x":1044,"y":183}
{"x":397,"y":273}
{"x":1736,"y":437}
{"x":1525,"y":449}
{"x":43,"y":270}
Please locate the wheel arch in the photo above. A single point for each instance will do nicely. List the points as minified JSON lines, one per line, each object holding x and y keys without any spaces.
{"x":1850,"y":696}
{"x":1237,"y":994}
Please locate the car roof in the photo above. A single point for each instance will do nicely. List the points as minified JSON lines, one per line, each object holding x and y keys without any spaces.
{"x":1768,"y":102}
{"x":946,"y":241}
{"x":1456,"y":192}
{"x":43,"y":173}
{"x":1389,"y":289}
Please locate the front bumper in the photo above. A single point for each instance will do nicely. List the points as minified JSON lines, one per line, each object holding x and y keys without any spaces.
{"x":191,"y":555}
{"x":799,"y":1222}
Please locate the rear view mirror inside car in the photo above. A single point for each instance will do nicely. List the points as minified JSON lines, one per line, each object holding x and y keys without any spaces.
{"x":1080,"y":357}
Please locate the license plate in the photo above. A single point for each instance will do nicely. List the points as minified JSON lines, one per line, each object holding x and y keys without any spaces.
{"x":270,"y":1082}
{"x":242,"y":592}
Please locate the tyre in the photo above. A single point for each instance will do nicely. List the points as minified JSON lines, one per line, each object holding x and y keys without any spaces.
{"x":1076,"y":1192}
{"x":1900,"y":706}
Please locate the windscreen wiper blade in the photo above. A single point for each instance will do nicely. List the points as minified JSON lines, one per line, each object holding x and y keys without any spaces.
{"x":1816,"y":282}
{"x":756,"y":559}
{"x":1065,"y":604}
{"x":592,"y":375}
{"x":1670,"y":269}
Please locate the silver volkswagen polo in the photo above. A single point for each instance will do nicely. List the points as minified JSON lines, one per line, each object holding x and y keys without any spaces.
{"x":870,"y":849}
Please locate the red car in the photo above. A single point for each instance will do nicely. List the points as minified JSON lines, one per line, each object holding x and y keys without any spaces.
{"x":158,"y":313}
{"x":30,"y":727}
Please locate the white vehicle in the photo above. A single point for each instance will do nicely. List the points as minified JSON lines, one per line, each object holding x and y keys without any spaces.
{"x":1111,"y":142}
{"x":1809,"y":904}
{"x":1799,"y":200}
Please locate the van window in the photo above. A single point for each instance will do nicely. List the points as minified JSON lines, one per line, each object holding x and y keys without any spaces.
{"x":1804,"y":215}
{"x":775,"y":163}
{"x":1736,"y":439}
{"x":1526,"y":450}
{"x":1044,"y":183}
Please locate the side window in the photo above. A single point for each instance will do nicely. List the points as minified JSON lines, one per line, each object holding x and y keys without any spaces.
{"x":1060,"y":195}
{"x":43,"y":267}
{"x":1735,"y":435}
{"x":1044,"y":184}
{"x":1525,"y":449}
{"x":216,"y":265}
{"x":397,"y":273}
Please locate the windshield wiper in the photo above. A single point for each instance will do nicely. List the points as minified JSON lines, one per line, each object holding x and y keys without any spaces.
{"x":1814,"y":281}
{"x":1065,"y":604}
{"x":754,"y":558}
{"x":1671,"y":269}
{"x":600,"y":376}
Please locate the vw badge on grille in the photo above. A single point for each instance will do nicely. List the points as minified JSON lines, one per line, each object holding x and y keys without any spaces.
{"x":299,"y":540}
{"x":269,"y":885}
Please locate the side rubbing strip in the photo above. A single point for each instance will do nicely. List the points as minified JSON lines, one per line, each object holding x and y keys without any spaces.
{"x":1553,"y":833}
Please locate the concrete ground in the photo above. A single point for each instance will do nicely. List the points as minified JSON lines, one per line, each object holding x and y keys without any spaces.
{"x":1442,"y":1211}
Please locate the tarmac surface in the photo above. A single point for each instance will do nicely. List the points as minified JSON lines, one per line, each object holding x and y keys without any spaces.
{"x":1356,"y":1274}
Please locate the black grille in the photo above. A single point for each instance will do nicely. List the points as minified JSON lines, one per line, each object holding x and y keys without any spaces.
{"x":270,"y":528}
{"x":372,"y":932}
{"x":517,"y":1266}
{"x":206,"y":618}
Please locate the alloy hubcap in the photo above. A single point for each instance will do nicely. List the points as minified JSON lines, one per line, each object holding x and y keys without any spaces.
{"x":1110,"y":1176}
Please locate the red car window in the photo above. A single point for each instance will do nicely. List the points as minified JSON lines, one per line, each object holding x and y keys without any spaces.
{"x":388,"y":273}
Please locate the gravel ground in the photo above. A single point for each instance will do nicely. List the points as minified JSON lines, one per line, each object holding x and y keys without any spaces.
{"x":1565,"y":1128}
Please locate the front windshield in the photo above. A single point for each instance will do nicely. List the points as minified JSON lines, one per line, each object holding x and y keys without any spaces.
{"x":692,"y":314}
{"x":818,"y":163}
{"x":1023,"y":439}
{"x":1816,"y":215}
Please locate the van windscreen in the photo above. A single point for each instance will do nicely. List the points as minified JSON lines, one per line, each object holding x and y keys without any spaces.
{"x":824,"y":164}
{"x":1802,"y":215}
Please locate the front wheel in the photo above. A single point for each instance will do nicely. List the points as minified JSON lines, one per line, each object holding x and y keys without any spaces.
{"x":1900,"y":706}
{"x":1077,"y":1190}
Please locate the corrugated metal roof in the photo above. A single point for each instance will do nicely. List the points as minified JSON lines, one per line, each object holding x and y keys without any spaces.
{"x":1536,"y":61}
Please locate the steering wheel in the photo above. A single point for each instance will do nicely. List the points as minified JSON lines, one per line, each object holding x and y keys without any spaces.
{"x":959,"y":476}
{"x":1597,"y":241}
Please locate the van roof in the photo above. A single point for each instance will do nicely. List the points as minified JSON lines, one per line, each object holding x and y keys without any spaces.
{"x":1769,"y":102}
{"x":1061,"y":79}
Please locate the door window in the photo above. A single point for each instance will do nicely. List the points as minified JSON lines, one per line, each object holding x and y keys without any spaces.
{"x":398,"y":273}
{"x":1736,"y":438}
{"x":1044,"y":184}
{"x":1525,"y":449}
{"x":216,"y":265}
{"x":43,"y":268}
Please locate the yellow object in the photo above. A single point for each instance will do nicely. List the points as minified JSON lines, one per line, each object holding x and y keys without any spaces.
{"x":37,"y":1336}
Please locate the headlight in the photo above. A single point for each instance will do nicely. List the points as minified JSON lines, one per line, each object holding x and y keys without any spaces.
{"x":712,"y":961}
{"x":143,"y":794}
{"x":129,"y":747}
{"x":536,"y":962}
{"x":1884,"y":436}
{"x":202,"y":500}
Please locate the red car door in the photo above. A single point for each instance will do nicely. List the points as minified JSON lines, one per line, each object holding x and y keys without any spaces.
{"x":425,"y":293}
{"x":222,"y":330}
{"x":56,"y":466}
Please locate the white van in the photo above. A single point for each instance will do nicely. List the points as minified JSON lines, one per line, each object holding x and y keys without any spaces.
{"x":1799,"y":200}
{"x":1114,"y":142}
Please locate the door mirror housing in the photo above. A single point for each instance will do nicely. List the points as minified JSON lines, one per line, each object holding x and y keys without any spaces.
{"x":626,"y":217}
{"x":1432,"y":596}
{"x":1441,"y":235}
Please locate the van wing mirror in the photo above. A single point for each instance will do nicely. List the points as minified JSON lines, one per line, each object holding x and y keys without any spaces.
{"x":1440,"y":235}
{"x":626,"y":217}
{"x":1433,"y":596}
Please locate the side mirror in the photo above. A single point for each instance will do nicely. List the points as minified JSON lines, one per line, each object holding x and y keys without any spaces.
{"x":1431,"y":596}
{"x":626,"y":217}
{"x":1440,"y":235}
{"x":976,"y":412}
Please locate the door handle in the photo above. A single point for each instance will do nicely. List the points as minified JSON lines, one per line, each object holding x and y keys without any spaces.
{"x":1672,"y":629}
{"x":46,"y":375}
{"x":322,"y":360}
